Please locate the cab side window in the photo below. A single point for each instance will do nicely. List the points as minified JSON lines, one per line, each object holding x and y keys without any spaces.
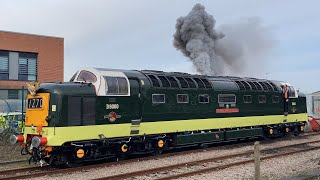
{"x":116,"y":86}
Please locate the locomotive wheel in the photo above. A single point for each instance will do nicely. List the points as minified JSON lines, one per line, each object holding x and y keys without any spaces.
{"x":296,"y":131}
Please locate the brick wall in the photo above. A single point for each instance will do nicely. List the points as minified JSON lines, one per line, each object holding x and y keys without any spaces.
{"x":50,"y":55}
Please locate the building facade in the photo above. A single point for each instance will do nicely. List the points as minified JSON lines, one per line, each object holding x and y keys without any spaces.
{"x":28,"y":57}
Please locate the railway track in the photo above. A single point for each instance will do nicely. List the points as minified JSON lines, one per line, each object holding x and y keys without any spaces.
{"x":32,"y":172}
{"x":212,"y":164}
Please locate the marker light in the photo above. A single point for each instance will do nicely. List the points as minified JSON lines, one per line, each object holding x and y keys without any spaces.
{"x":38,"y":141}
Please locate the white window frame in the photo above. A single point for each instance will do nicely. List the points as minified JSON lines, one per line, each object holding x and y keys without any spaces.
{"x":164,"y":98}
{"x":206,"y":102}
{"x":262,"y":102}
{"x":182,"y":95}
{"x":235,"y":99}
{"x":247,"y":102}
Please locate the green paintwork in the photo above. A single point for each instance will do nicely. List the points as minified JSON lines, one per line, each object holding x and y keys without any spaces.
{"x":187,"y":139}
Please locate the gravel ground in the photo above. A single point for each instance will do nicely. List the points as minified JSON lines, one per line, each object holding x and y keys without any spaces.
{"x":9,"y":152}
{"x":289,"y":166}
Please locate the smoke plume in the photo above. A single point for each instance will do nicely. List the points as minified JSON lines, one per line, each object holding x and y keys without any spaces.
{"x":234,"y":49}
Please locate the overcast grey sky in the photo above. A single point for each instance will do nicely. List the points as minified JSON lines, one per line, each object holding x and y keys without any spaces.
{"x":138,"y":34}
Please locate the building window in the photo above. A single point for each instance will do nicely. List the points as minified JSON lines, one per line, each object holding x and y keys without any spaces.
{"x":13,"y":94}
{"x":158,"y":98}
{"x":116,"y":86}
{"x":203,"y":98}
{"x":182,"y":98}
{"x":262,"y":99}
{"x":4,"y":65}
{"x":27,"y":67}
{"x":247,"y":99}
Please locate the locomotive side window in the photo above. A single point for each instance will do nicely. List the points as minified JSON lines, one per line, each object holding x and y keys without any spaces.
{"x":203,"y":98}
{"x":262,"y":99}
{"x":123,"y":85}
{"x":182,"y":98}
{"x":158,"y":98}
{"x":87,"y":76}
{"x":226,"y":98}
{"x":275,"y":99}
{"x":111,"y":85}
{"x":247,"y":99}
{"x":116,"y":86}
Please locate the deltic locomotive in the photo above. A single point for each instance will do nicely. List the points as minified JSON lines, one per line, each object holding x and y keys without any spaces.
{"x":108,"y":113}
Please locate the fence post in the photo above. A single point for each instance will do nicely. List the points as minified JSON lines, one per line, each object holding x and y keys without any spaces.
{"x":257,"y":160}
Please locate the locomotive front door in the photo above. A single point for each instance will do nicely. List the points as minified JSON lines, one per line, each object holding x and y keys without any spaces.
{"x":136,"y":105}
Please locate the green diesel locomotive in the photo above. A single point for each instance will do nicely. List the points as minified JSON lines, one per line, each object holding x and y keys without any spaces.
{"x":104,"y":113}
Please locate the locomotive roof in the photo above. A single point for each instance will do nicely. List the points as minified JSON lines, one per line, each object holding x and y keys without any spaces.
{"x":224,"y":78}
{"x":161,"y":79}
